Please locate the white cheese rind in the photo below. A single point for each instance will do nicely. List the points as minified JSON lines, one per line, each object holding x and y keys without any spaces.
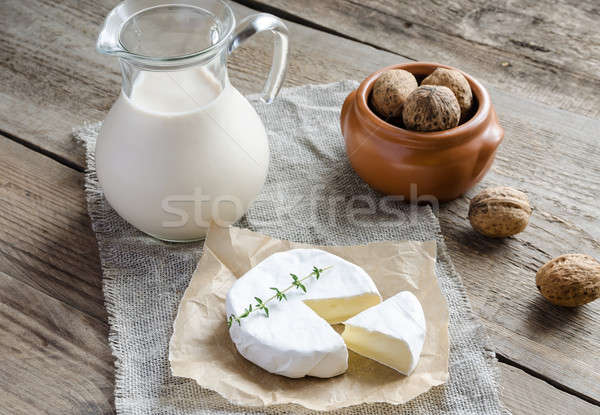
{"x":294,"y":341}
{"x":391,"y":333}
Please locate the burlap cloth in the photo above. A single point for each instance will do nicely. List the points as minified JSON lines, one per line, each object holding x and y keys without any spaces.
{"x":311,"y":195}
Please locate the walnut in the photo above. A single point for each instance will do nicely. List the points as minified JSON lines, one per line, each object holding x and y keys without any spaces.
{"x":390,"y":91}
{"x":499,"y":212}
{"x":457,"y":83}
{"x":570,"y":280}
{"x":431,"y":108}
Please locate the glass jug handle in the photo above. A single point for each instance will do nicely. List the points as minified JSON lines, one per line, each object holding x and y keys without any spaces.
{"x":259,"y":23}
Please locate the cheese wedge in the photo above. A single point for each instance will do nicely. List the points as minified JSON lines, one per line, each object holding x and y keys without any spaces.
{"x":391,"y":333}
{"x":296,"y":339}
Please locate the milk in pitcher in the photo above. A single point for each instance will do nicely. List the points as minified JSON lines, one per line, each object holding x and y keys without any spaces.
{"x":181,"y":151}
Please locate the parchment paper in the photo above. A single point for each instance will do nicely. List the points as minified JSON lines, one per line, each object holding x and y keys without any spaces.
{"x":201,"y":348}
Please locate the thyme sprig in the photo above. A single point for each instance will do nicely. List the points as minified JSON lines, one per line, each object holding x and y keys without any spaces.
{"x":279,"y":296}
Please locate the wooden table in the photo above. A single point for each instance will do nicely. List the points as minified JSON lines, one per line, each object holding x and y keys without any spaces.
{"x":541,"y":63}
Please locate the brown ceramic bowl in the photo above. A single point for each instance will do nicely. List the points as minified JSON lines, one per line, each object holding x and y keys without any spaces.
{"x":443,"y":164}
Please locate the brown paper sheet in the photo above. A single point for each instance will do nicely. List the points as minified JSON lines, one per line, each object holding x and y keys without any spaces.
{"x":201,"y":348}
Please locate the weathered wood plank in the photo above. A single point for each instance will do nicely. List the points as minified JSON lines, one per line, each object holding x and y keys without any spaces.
{"x":547,"y":51}
{"x":53,"y":358}
{"x":558,"y":168}
{"x":528,"y":395}
{"x":51,"y":75}
{"x":54,"y":353}
{"x":543,"y":154}
{"x":45,"y":235}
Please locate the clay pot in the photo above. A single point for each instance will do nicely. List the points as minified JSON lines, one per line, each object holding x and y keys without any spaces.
{"x":418,"y":165}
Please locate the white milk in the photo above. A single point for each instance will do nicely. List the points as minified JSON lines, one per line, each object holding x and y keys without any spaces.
{"x":179,"y":152}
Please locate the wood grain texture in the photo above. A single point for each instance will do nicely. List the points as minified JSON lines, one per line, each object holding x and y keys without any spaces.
{"x":54,"y":359}
{"x":55,"y":80}
{"x":547,"y":51}
{"x":51,"y":75}
{"x":54,"y":353}
{"x":45,"y":238}
{"x":537,"y":397}
{"x":555,"y":160}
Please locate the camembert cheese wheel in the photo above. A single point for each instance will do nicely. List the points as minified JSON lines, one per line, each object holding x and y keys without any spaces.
{"x":296,"y":338}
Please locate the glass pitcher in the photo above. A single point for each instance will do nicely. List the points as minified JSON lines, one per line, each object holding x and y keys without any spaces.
{"x":181,"y":146}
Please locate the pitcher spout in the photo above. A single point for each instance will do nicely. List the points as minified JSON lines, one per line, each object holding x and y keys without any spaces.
{"x":108,"y":38}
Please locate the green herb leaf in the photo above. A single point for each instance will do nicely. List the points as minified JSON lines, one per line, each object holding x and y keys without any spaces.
{"x":246,"y":312}
{"x":317,"y":272}
{"x":299,"y":285}
{"x":279,"y":295}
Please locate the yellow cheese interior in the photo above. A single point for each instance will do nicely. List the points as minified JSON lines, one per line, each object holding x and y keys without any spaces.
{"x":337,"y":310}
{"x":379,"y":347}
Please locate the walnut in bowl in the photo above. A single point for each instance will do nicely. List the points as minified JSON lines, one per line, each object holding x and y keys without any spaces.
{"x":395,"y":160}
